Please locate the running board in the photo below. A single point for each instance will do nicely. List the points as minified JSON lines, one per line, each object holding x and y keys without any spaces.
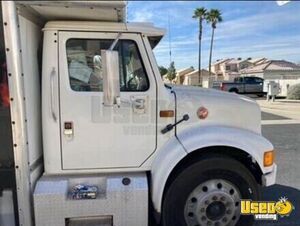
{"x":121,"y":200}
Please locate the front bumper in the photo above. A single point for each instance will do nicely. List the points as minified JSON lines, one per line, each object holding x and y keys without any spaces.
{"x":269,"y":179}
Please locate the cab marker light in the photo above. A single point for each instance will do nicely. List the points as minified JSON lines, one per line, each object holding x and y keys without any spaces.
{"x":166,"y":114}
{"x":269,"y":157}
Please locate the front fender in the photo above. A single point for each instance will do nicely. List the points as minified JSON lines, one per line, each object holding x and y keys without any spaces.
{"x":197,"y":138}
{"x":164,"y":162}
{"x":253,"y":143}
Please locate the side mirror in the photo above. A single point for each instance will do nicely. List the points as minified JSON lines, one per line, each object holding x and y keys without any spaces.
{"x":111,"y":77}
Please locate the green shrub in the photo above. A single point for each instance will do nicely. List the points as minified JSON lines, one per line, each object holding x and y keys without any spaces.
{"x":294,"y":92}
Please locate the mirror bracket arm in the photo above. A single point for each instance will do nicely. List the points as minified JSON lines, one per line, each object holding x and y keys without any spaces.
{"x":115,"y":41}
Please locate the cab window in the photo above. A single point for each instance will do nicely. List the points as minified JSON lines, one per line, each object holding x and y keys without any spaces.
{"x":259,"y":80}
{"x":85,"y":67}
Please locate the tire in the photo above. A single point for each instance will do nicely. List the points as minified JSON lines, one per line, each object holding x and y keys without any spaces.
{"x":204,"y":171}
{"x":233,"y":91}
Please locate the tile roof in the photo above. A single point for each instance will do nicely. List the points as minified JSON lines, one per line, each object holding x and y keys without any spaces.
{"x":273,"y":65}
{"x":184,"y":71}
{"x":204,"y":72}
{"x":257,"y":60}
{"x":236,"y":61}
{"x":221,"y":61}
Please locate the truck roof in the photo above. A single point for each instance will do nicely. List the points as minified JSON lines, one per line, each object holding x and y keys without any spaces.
{"x":147,"y":29}
{"x":107,"y":16}
{"x":113,"y":11}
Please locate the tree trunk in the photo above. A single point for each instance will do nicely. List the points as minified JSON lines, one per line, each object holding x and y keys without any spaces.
{"x":199,"y":57}
{"x":211,"y":48}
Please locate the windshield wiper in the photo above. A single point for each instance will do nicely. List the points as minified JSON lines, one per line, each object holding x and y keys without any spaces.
{"x":167,"y":86}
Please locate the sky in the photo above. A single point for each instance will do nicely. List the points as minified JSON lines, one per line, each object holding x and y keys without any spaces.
{"x":249,"y":29}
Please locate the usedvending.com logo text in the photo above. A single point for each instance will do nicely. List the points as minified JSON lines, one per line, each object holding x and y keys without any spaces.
{"x":267,"y":210}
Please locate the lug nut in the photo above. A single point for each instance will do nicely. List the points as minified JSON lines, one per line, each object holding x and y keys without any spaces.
{"x":224,"y":219}
{"x":191,"y":214}
{"x":194,"y":200}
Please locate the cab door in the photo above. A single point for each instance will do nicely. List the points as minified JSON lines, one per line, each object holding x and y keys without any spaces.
{"x":94,"y":136}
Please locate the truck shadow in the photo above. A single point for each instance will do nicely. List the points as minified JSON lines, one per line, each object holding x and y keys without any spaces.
{"x":275,"y":192}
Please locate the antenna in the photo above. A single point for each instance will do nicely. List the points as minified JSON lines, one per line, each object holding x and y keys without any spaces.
{"x":170,"y":47}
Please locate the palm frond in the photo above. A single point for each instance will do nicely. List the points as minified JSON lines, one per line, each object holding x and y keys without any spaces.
{"x":200,"y":13}
{"x":214,"y":16}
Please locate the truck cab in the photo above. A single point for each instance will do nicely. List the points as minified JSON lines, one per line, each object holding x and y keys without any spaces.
{"x":101,"y":131}
{"x":100,"y":139}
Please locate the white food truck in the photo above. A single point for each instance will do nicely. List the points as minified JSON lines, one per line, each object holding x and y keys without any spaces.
{"x":90,"y":134}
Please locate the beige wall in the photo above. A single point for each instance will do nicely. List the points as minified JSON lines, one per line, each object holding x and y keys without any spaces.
{"x":231,"y":77}
{"x":207,"y":81}
{"x":193,"y":78}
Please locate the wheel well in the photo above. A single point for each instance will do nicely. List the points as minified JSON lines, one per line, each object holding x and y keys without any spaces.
{"x":233,"y":90}
{"x":202,"y":153}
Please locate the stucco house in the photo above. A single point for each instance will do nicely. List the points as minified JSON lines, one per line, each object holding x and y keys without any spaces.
{"x":179,"y":76}
{"x":192,"y":78}
{"x":233,"y":67}
{"x":281,"y":71}
{"x":229,"y":69}
{"x":219,"y":68}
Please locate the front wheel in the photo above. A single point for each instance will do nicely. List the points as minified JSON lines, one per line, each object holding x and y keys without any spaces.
{"x":208,"y":193}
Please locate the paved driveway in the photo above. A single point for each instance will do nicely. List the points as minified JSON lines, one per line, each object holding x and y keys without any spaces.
{"x":281,"y":125}
{"x":286,"y":139}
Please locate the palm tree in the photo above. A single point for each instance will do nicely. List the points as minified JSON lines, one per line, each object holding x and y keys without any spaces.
{"x":200,"y":14}
{"x":213,"y":17}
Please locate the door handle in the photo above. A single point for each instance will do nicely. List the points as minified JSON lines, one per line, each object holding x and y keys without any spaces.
{"x":139,"y":103}
{"x":52,"y":104}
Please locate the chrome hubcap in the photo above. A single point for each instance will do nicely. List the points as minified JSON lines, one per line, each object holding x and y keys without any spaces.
{"x":213,"y":203}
